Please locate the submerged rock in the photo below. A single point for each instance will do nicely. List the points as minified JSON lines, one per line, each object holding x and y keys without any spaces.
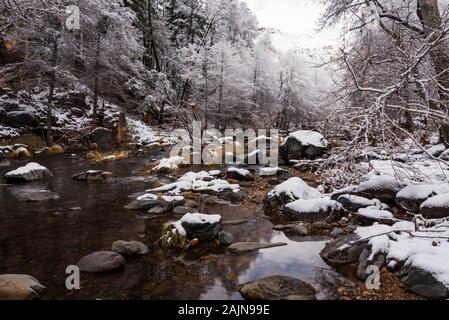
{"x":91,"y":175}
{"x":278,"y":288}
{"x":129,"y":248}
{"x":102,"y":261}
{"x":19,"y":287}
{"x":29,"y":173}
{"x":225,"y":238}
{"x":240,"y":247}
{"x":42,"y":195}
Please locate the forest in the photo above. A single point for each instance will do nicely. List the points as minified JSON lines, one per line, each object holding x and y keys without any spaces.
{"x":189,"y":149}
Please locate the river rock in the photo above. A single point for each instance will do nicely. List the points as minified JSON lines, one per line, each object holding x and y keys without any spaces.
{"x":199,"y":226}
{"x":366,"y":259}
{"x":29,"y":173}
{"x":422,"y":282}
{"x":184,"y":210}
{"x":241,"y":247}
{"x":343,"y":250}
{"x":303,"y":144}
{"x":102,"y":261}
{"x":129,"y":248}
{"x":144,"y":202}
{"x":293,"y":229}
{"x":239,"y":175}
{"x":102,"y":137}
{"x":225,"y":238}
{"x":157,"y":210}
{"x":191,"y":204}
{"x":42,"y":195}
{"x":436,"y":207}
{"x":278,"y":288}
{"x":91,"y":175}
{"x":19,"y":287}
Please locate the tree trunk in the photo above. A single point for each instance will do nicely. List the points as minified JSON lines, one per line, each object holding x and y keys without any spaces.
{"x":52,"y":84}
{"x":97,"y":81}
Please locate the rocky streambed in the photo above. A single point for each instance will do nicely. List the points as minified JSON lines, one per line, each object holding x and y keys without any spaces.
{"x":41,"y":233}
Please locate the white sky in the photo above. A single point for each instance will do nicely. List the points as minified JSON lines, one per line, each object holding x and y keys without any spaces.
{"x":290,"y":16}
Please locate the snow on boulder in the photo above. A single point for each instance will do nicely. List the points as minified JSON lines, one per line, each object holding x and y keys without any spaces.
{"x":437,"y":150}
{"x":239,"y":174}
{"x":353,"y":203}
{"x":304,"y":144}
{"x":168,"y":165}
{"x":383,"y":188}
{"x":31,"y":172}
{"x":370,"y":215}
{"x":291,"y":190}
{"x":411,"y":197}
{"x":436,"y":207}
{"x":312,"y":210}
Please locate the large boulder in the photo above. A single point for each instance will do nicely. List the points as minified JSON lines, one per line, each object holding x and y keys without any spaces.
{"x":436,"y":207}
{"x":21,"y":119}
{"x":313,"y":210}
{"x":423,"y":282}
{"x":31,"y":172}
{"x":344,"y":250}
{"x":102,"y":261}
{"x":303,"y":144}
{"x":413,"y":196}
{"x":101,"y":137}
{"x":291,"y":190}
{"x":19,"y":287}
{"x":383,"y":188}
{"x":278,"y":288}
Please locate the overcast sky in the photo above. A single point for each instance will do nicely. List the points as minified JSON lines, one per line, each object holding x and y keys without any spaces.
{"x":292,"y":16}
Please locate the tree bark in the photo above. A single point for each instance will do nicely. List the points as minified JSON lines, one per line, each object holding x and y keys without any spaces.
{"x":52,"y":84}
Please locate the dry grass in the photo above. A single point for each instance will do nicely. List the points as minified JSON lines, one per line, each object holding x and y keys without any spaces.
{"x":55,"y":150}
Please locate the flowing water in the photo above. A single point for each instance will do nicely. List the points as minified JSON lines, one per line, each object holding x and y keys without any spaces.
{"x":42,"y":239}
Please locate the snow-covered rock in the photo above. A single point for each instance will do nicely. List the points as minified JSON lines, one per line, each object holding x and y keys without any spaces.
{"x":270,"y":171}
{"x":31,"y":172}
{"x":436,"y":207}
{"x":383,"y":188}
{"x":144,"y":202}
{"x":291,"y":190}
{"x":353,"y":203}
{"x":168,"y":165}
{"x":202,"y":227}
{"x":374,"y":214}
{"x":239,"y":174}
{"x":198,"y":182}
{"x":411,"y":197}
{"x":303,"y":144}
{"x":312,"y":210}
